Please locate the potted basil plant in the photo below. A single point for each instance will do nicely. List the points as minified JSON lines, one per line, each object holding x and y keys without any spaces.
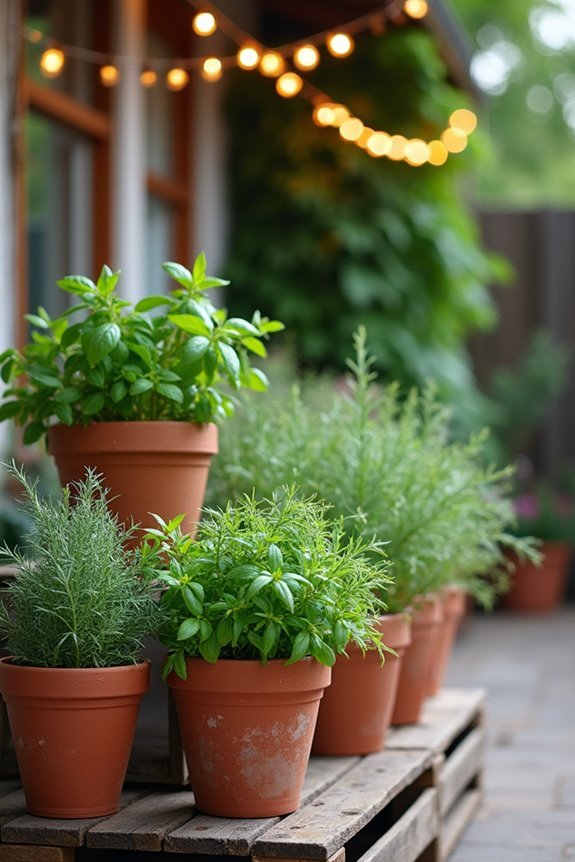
{"x":134,"y":395}
{"x":74,"y":620}
{"x":257,"y":609}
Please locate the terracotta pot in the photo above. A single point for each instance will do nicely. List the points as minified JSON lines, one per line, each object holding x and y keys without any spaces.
{"x":454,"y":602}
{"x":159,"y":467}
{"x":247,"y":730}
{"x":355,"y":711}
{"x":539,"y":589}
{"x":72,"y":731}
{"x":417,"y":660}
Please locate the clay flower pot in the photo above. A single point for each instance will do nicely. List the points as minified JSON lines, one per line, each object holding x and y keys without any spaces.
{"x":355,"y":711}
{"x":417,"y":660}
{"x":159,"y":467}
{"x":539,"y":589}
{"x":72,"y":731}
{"x":247,"y":730}
{"x":454,"y":602}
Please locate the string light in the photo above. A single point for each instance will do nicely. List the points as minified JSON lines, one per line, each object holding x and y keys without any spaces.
{"x":351,"y":129}
{"x":176,"y":79}
{"x":437,"y":153}
{"x":364,"y":137}
{"x":396,"y":150}
{"x":212,"y":69}
{"x":52,"y":62}
{"x":454,"y":141}
{"x":306,"y":57}
{"x":416,"y":8}
{"x":248,"y":57}
{"x":378,"y":144}
{"x":339,"y":44}
{"x":109,"y":75}
{"x":340,"y":115}
{"x":323,"y":114}
{"x":272,"y":64}
{"x":289,"y":84}
{"x":204,"y":24}
{"x":463,"y":121}
{"x":148,"y":78}
{"x":416,"y":152}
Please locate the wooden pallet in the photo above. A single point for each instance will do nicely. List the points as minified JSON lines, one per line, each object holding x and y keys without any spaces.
{"x":410,"y":802}
{"x":452,"y":730}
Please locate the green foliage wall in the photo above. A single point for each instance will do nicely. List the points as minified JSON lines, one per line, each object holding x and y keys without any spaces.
{"x":326,"y":237}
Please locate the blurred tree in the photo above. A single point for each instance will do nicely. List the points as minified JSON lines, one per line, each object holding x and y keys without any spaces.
{"x":525,"y":61}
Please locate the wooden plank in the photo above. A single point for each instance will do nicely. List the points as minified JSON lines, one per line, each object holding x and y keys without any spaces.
{"x":444,"y":718}
{"x":318,"y":830}
{"x":27,"y":829}
{"x":33,"y":853}
{"x":143,"y":825}
{"x":460,"y":768}
{"x":339,"y":856}
{"x":410,"y":835}
{"x":456,"y":822}
{"x":217,"y":835}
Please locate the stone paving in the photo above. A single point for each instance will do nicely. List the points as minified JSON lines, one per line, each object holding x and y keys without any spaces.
{"x":527,"y":665}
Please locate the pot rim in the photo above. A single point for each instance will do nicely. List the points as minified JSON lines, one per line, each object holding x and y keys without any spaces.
{"x":249,"y":675}
{"x":136,"y":436}
{"x":82,"y":682}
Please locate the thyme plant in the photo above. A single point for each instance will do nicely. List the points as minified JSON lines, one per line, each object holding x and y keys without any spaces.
{"x":80,"y":598}
{"x":271,"y":579}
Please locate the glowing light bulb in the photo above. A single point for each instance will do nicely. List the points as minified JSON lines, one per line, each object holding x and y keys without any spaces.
{"x":416,"y":152}
{"x":396,"y":151}
{"x":289,"y":84}
{"x":248,"y":57}
{"x":416,"y":8}
{"x":211,"y":69}
{"x":340,"y":115}
{"x":364,"y":137}
{"x":52,"y":62}
{"x":378,"y":144}
{"x":437,"y":153}
{"x":454,"y":140}
{"x":148,"y":78}
{"x":463,"y":120}
{"x":351,"y":129}
{"x":204,"y":24}
{"x":323,"y":115}
{"x":306,"y":57}
{"x":272,"y":64}
{"x":176,"y":79}
{"x":109,"y":75}
{"x":339,"y":44}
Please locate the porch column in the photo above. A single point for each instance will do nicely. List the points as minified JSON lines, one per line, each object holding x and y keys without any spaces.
{"x":128,"y":150}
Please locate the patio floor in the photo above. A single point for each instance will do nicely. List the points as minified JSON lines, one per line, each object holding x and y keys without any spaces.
{"x":527,"y":664}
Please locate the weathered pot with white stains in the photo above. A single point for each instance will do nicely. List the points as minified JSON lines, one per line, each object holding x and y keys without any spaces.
{"x":247,"y":730}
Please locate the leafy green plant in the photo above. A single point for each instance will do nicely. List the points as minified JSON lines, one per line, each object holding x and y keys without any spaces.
{"x":79,"y":598}
{"x":267,"y":580}
{"x":388,"y":466}
{"x":119,"y":363}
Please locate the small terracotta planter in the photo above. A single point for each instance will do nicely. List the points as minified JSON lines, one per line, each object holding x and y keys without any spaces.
{"x":72,"y":731}
{"x":159,"y":467}
{"x":454,"y":602}
{"x":540,"y":589}
{"x":247,"y":730}
{"x":417,"y":660}
{"x":355,"y":711}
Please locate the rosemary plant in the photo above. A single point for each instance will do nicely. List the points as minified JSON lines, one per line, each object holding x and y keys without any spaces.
{"x":79,"y":598}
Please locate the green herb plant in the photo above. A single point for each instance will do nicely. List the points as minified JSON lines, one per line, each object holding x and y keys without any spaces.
{"x":119,"y":363}
{"x":264,"y":580}
{"x":390,"y":469}
{"x":80,"y":598}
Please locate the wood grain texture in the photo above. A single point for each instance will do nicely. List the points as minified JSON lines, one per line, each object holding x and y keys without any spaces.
{"x":456,"y":822}
{"x":143,"y":825}
{"x":410,"y":835}
{"x":217,"y":835}
{"x":444,"y":718}
{"x":317,"y":830}
{"x":339,"y":856}
{"x":33,"y":853}
{"x":27,"y":829}
{"x":460,"y":768}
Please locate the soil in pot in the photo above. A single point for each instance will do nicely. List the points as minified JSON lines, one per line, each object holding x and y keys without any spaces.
{"x":72,"y":731}
{"x":355,"y":711}
{"x":539,"y":589}
{"x":247,"y":730}
{"x":159,"y":467}
{"x":414,"y":678}
{"x":454,"y":602}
